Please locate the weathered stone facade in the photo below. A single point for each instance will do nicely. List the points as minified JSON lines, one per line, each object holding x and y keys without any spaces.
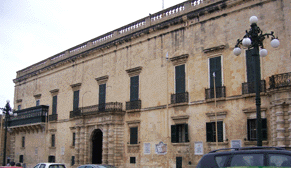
{"x":189,"y":34}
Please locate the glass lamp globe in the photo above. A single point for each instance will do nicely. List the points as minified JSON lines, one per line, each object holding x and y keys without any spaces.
{"x":275,"y":43}
{"x":237,"y":51}
{"x":246,"y":42}
{"x":253,"y":20}
{"x":263,"y":52}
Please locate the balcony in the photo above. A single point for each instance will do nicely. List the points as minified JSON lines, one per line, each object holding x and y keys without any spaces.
{"x":280,"y":80}
{"x":249,"y":87}
{"x":220,"y":92}
{"x":29,"y":116}
{"x":104,"y":107}
{"x":179,"y":98}
{"x":132,"y":105}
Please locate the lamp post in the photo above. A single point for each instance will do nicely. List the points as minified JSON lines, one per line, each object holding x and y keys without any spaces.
{"x":253,"y":39}
{"x":7,"y":112}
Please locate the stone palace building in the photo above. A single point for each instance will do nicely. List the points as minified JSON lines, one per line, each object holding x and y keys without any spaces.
{"x":143,"y":95}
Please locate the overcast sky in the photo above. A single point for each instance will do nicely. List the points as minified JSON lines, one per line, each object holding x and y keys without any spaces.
{"x":33,"y":30}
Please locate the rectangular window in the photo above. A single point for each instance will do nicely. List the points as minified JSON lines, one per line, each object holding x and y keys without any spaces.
{"x":211,"y":131}
{"x":133,"y":160}
{"x":51,"y":159}
{"x":102,"y":97}
{"x":179,"y":133}
{"x":178,"y":162}
{"x":54,"y":104}
{"x":251,"y":128}
{"x":23,"y":141}
{"x":53,"y":140}
{"x":73,"y":161}
{"x":19,"y":107}
{"x":180,"y":79}
{"x":21,"y":158}
{"x":133,"y":135}
{"x":76,"y":100}
{"x":134,"y":88}
{"x":215,"y":66}
{"x":250,"y":63}
{"x":37,"y":102}
{"x":74,"y":139}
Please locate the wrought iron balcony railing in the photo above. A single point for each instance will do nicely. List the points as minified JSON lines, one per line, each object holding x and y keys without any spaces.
{"x":104,"y":107}
{"x":249,"y":87}
{"x":29,"y":116}
{"x":52,"y":117}
{"x":131,"y":105}
{"x":220,"y":92}
{"x":179,"y":98}
{"x":280,"y":80}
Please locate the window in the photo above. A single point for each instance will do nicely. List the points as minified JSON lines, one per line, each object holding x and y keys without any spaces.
{"x":23,"y":141}
{"x":53,"y":140}
{"x":134,"y":88}
{"x":180,"y":79}
{"x":19,"y":107}
{"x":211,"y":131}
{"x":76,"y":100}
{"x":178,"y":162}
{"x":215,"y":66}
{"x":132,"y":160}
{"x":38,"y":102}
{"x":73,"y":161}
{"x":51,"y":159}
{"x":21,"y":158}
{"x":251,"y":127}
{"x":133,"y":135}
{"x":54,"y":104}
{"x":179,"y":133}
{"x":247,"y":160}
{"x":74,"y":138}
{"x":279,"y":160}
{"x":102,"y":97}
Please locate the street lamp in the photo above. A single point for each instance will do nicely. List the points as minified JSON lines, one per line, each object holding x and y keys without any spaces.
{"x":253,"y":39}
{"x":7,"y":112}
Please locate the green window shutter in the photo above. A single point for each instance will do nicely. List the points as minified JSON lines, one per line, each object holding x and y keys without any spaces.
{"x":174,"y":136}
{"x":264,"y":129}
{"x":133,"y":135}
{"x":186,"y":132}
{"x":180,"y":79}
{"x":134,"y":88}
{"x":220,"y":131}
{"x":250,"y":66}
{"x":76,"y":100}
{"x":215,"y":66}
{"x":54,"y":104}
{"x":209,"y":132}
{"x":102,"y":93}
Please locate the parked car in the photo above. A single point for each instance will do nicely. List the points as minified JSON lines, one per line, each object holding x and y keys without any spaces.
{"x":50,"y":165}
{"x":96,"y":166}
{"x":246,"y":157}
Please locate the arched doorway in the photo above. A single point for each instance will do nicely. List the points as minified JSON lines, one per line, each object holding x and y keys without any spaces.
{"x":97,"y":147}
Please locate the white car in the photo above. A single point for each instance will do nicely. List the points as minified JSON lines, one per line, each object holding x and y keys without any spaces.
{"x":50,"y":165}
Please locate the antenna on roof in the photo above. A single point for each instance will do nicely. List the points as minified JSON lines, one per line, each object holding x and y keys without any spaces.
{"x":162,"y":4}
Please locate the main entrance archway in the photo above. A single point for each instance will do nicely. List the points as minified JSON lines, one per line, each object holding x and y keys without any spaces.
{"x":97,"y":147}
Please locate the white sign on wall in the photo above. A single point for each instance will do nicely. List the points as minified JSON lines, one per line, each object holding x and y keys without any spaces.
{"x":147,"y":148}
{"x":235,"y":143}
{"x":199,"y":148}
{"x":161,"y":148}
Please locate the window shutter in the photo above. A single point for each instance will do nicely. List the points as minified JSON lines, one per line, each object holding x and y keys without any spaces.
{"x":133,"y":135}
{"x":215,"y":66}
{"x":209,"y":132}
{"x":134,"y":85}
{"x":248,"y":129}
{"x":186,"y":132}
{"x":264,"y":129}
{"x":76,"y":100}
{"x":54,"y":104}
{"x":73,"y":160}
{"x":102,"y":93}
{"x":220,"y":131}
{"x":174,"y":136}
{"x":250,"y":66}
{"x":180,"y":78}
{"x":74,"y":138}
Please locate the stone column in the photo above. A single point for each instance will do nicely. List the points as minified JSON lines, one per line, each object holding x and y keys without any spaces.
{"x":12,"y":147}
{"x":280,"y":126}
{"x":86,"y":147}
{"x":119,"y":144}
{"x":77,"y":145}
{"x":111,"y":144}
{"x":273,"y":125}
{"x":81,"y":145}
{"x":288,"y":128}
{"x":105,"y":144}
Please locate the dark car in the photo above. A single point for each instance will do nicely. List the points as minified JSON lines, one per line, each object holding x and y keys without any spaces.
{"x":246,"y":157}
{"x":96,"y":166}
